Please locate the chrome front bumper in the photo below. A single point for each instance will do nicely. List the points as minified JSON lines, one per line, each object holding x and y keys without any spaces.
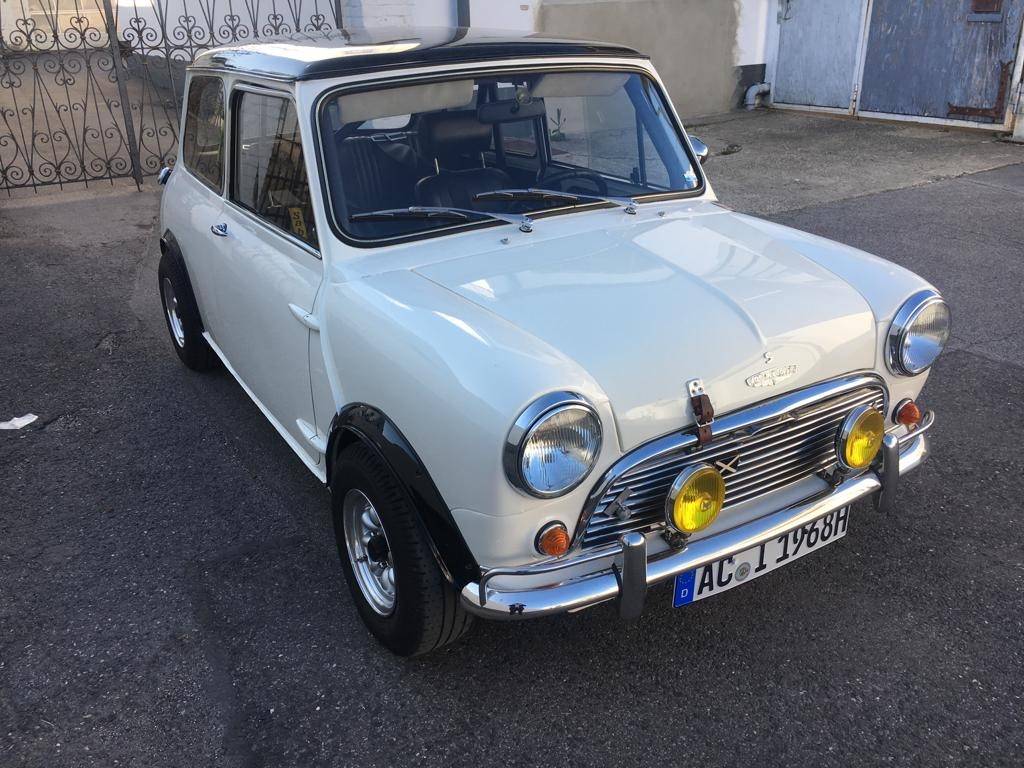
{"x":625,"y":572}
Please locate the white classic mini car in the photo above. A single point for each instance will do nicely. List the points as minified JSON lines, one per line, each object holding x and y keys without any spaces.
{"x":483,"y":289}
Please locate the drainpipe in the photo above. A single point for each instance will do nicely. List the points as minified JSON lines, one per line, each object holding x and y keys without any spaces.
{"x":1018,"y":119}
{"x":757,"y":89}
{"x":462,"y":14}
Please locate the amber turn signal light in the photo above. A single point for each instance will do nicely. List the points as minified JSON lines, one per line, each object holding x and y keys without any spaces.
{"x":553,"y":540}
{"x":908,"y":414}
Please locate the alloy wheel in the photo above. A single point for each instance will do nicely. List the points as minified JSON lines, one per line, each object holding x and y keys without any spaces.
{"x":369,"y":551}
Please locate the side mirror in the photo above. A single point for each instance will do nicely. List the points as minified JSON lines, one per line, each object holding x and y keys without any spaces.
{"x":700,"y":149}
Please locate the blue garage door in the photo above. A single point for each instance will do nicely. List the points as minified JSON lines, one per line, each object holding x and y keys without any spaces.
{"x":950,"y":59}
{"x":817,"y":60}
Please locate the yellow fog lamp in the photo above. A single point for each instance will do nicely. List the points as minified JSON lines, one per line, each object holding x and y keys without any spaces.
{"x":695,"y":499}
{"x":859,"y":438}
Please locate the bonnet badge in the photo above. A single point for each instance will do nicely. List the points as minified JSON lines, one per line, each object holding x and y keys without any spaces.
{"x":771,"y":376}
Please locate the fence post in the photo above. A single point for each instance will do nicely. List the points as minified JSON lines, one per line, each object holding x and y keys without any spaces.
{"x":122,"y":89}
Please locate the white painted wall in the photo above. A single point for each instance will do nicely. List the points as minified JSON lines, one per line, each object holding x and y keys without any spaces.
{"x":752,"y":32}
{"x":359,"y":14}
{"x":517,"y":15}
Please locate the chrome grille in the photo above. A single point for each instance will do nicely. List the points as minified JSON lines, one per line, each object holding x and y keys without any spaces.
{"x":774,"y":453}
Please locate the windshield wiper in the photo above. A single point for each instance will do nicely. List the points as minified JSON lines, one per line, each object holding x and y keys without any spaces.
{"x":572,"y":198}
{"x":525,"y":223}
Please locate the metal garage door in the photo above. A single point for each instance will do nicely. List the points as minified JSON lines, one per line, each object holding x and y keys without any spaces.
{"x":818,"y":52}
{"x":949,"y":59}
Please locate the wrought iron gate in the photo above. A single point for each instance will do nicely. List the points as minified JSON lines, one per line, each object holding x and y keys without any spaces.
{"x":91,"y":90}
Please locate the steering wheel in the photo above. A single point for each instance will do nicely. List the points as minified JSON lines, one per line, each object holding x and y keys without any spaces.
{"x":558,"y":177}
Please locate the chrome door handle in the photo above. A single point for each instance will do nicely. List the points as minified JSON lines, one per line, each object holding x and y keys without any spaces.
{"x":220,"y":230}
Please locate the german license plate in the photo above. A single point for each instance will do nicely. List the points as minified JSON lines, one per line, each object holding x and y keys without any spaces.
{"x":729,"y":572}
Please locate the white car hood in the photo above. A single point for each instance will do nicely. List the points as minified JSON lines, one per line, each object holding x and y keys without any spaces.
{"x":648,"y":304}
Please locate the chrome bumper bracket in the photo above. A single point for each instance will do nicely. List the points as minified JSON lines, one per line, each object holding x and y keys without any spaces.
{"x":889,"y":473}
{"x":632,"y":576}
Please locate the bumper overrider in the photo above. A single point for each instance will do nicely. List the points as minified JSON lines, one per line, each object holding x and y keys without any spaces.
{"x":623,"y":570}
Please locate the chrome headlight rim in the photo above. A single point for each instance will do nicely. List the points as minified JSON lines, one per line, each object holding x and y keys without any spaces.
{"x":901,"y":325}
{"x":535,"y":414}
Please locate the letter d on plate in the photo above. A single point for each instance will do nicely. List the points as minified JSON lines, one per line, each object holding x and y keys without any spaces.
{"x":683,"y":593}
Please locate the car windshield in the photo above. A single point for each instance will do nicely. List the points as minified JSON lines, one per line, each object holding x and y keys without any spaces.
{"x":544,"y":140}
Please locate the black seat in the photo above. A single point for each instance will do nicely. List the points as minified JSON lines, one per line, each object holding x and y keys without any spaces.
{"x":377,"y":173}
{"x":456,"y":141}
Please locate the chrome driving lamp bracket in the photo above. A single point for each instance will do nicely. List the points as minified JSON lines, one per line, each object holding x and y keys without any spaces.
{"x":675,"y":539}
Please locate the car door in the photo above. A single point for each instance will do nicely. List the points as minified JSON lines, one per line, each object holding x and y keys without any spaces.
{"x":268,"y":263}
{"x":197,"y":192}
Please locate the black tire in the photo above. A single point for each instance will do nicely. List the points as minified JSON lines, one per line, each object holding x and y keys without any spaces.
{"x":426,"y":614}
{"x":188,"y":339}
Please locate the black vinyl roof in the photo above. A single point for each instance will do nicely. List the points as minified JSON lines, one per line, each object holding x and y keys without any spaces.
{"x":331,"y":53}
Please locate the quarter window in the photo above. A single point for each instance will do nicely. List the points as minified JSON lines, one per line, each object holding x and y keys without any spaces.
{"x":203,"y":143}
{"x":269,"y":172}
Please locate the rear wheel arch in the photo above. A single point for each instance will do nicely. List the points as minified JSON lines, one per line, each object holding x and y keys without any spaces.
{"x":169,"y":243}
{"x":363,"y":423}
{"x":184,"y":321}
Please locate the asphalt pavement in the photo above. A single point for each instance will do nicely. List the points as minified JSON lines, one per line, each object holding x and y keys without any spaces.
{"x":170,"y":594}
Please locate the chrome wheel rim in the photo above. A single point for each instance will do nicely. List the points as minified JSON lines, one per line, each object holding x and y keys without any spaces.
{"x":369,"y":551}
{"x":173,"y":318}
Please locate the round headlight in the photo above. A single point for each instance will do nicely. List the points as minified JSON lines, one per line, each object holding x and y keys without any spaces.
{"x":553,"y":445}
{"x":918,"y":334}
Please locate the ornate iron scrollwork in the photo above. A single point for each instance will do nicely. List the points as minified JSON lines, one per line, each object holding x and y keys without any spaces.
{"x":78,"y":106}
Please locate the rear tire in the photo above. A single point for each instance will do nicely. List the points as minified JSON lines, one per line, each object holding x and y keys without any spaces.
{"x":378,"y":531}
{"x":181,"y":314}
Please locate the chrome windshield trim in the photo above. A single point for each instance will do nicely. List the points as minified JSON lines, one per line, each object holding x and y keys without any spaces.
{"x":759,"y":415}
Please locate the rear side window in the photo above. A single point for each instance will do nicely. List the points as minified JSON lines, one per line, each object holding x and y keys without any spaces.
{"x":269,"y":171}
{"x":203,"y":142}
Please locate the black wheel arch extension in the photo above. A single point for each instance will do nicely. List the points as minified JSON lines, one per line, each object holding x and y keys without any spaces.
{"x":370,"y":425}
{"x":169,"y":247}
{"x":169,"y":243}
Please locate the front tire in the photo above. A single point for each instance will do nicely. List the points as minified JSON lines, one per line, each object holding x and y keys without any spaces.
{"x":395,"y":582}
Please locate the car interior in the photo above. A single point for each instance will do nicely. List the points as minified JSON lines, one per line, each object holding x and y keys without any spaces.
{"x":441,"y":144}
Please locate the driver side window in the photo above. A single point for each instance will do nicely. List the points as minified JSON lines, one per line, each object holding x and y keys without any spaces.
{"x":269,"y":175}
